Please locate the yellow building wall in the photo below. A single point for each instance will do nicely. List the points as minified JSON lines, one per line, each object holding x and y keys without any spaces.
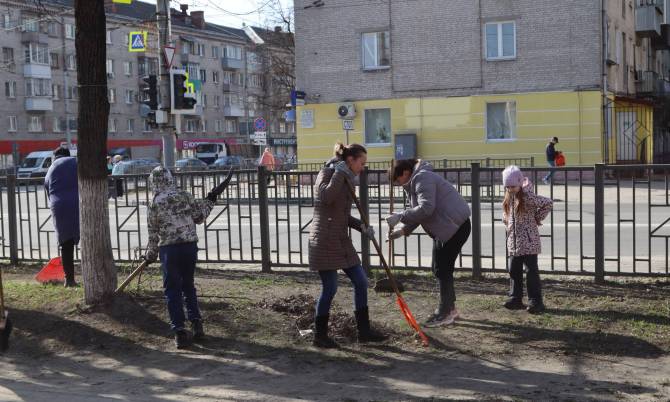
{"x":636,"y":120}
{"x":454,"y":128}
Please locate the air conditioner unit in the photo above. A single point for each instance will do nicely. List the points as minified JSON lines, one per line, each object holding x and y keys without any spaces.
{"x":346,"y":111}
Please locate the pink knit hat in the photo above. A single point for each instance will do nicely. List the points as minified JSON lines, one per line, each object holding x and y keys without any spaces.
{"x":512,"y":176}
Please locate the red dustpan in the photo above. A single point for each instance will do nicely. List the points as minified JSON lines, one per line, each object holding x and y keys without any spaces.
{"x":52,"y":272}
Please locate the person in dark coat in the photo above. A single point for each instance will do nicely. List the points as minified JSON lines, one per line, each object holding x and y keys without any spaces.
{"x":63,"y":193}
{"x":330,"y":247}
{"x":435,"y":205}
{"x":550,"y":152}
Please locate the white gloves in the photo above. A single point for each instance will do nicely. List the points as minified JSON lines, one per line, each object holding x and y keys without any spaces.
{"x":395,"y":234}
{"x":393,"y":219}
{"x":369,"y":231}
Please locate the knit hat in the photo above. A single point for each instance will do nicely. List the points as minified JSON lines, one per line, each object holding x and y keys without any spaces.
{"x":512,"y":176}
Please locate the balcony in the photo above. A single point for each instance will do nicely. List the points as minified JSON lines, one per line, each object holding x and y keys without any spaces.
{"x":185,"y":58}
{"x":650,"y":85}
{"x":233,"y":111}
{"x":231,"y":64}
{"x":34,"y":36}
{"x":648,"y":20}
{"x":39,"y":104}
{"x":230,"y":87}
{"x":32,"y":70}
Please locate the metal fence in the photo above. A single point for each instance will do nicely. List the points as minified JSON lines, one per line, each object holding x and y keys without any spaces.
{"x":607,"y":219}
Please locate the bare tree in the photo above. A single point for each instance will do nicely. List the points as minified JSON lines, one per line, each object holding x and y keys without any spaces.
{"x":97,"y":263}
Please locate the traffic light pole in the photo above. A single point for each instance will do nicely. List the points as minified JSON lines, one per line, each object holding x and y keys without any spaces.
{"x":165,"y":39}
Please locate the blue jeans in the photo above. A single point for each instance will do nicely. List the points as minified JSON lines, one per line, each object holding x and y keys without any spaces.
{"x":551,"y":171}
{"x":329,"y":282}
{"x":178,"y":268}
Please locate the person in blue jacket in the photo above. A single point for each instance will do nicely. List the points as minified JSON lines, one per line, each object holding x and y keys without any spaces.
{"x":62,"y":190}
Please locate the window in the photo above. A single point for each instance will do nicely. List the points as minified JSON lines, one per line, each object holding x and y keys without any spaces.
{"x":55,"y":91}
{"x":6,"y":21}
{"x":34,"y":123}
{"x":233,"y":52}
{"x":72,"y":123}
{"x":500,"y":121}
{"x":10,"y":89}
{"x":217,"y":101}
{"x":191,"y":126}
{"x":12,"y":124}
{"x":227,"y":77}
{"x":127,"y":67}
{"x":130,"y":126}
{"x":30,"y":24}
{"x":218,"y":126}
{"x":216,"y":52}
{"x":231,"y":125}
{"x":52,"y":28}
{"x":53,"y":60}
{"x":623,"y":8}
{"x":70,"y":62}
{"x":112,"y":95}
{"x":69,"y":31}
{"x":282,"y":127}
{"x":38,"y":87}
{"x":129,"y":96}
{"x":111,"y":127}
{"x":71,"y":93}
{"x":110,"y":68}
{"x":215,"y":77}
{"x":203,"y":75}
{"x":37,"y":53}
{"x":255,"y":81}
{"x":200,"y":49}
{"x":500,"y":41}
{"x":377,"y":126}
{"x":147,"y":66}
{"x":147,"y":126}
{"x":109,"y":37}
{"x":55,"y":125}
{"x":203,"y":125}
{"x":376,"y":50}
{"x":193,"y":70}
{"x":185,"y":47}
{"x":204,"y":100}
{"x":7,"y":55}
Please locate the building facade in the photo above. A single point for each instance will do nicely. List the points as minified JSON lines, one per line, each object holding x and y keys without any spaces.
{"x":39,"y":78}
{"x":483,"y":78}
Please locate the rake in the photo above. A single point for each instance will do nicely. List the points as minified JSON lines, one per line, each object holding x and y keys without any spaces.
{"x":404,"y":308}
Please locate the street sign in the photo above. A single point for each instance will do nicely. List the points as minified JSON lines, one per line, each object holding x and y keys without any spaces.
{"x":260,"y":124}
{"x":297,"y":98}
{"x":168,"y":53}
{"x":260,"y":141}
{"x":137,"y":41}
{"x":259,"y":135}
{"x":348,"y":124}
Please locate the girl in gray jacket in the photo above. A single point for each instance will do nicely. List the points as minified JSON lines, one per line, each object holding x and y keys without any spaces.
{"x":437,"y":206}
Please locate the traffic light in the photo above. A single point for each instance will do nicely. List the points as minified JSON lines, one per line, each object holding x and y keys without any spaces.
{"x":149,"y":97}
{"x":183,"y":96}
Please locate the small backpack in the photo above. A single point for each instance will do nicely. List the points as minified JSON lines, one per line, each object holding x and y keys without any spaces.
{"x":559,"y":159}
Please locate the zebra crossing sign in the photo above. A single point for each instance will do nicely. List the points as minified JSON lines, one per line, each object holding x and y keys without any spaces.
{"x":137,"y":41}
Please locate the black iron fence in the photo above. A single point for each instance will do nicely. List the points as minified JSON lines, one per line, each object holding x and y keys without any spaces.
{"x":607,"y":219}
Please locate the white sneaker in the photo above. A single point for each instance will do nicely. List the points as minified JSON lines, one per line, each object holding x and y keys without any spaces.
{"x":438,"y":320}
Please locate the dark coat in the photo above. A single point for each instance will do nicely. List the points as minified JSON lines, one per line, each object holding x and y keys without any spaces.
{"x":550,"y":151}
{"x":330,"y":247}
{"x":61,"y":186}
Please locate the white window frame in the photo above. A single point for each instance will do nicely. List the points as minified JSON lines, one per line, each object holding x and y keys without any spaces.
{"x":128,"y":68}
{"x":35,"y":124}
{"x":71,"y":62}
{"x":130,"y":125}
{"x":111,"y":125}
{"x":70,"y":31}
{"x":72,"y":122}
{"x":218,"y":126}
{"x":230,"y":124}
{"x":111,"y":96}
{"x":513,"y":135}
{"x":216,"y":52}
{"x":147,"y":126}
{"x":499,"y":34}
{"x":12,"y":124}
{"x":128,"y":96}
{"x":55,"y":125}
{"x":11,"y":87}
{"x":55,"y":91}
{"x":377,"y":65}
{"x":215,"y":77}
{"x":379,"y":144}
{"x":110,"y":68}
{"x":108,"y":37}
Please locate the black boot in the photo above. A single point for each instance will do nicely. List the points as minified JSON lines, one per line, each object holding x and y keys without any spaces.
{"x":198,"y":331}
{"x":182,"y":338}
{"x":321,"y":339}
{"x":67,"y":252}
{"x":365,"y":333}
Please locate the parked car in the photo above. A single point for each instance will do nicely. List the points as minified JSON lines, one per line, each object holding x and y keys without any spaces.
{"x":190,"y":165}
{"x":135,"y":166}
{"x":233,"y":161}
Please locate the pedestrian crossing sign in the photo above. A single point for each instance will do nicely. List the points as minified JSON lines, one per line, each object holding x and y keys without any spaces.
{"x":137,"y":41}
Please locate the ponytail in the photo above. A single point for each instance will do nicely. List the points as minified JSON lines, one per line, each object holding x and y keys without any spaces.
{"x":342,"y":152}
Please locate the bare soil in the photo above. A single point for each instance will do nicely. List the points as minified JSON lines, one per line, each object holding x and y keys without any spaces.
{"x":607,"y":342}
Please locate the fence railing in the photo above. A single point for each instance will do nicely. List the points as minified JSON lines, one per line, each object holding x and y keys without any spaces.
{"x":607,"y":219}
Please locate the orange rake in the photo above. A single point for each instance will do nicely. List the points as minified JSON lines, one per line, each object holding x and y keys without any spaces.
{"x":404,"y":308}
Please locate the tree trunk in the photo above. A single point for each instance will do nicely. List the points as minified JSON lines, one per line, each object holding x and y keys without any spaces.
{"x":97,"y":263}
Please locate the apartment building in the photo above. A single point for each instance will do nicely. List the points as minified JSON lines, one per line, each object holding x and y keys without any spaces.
{"x":38,"y":74}
{"x":485,"y":78}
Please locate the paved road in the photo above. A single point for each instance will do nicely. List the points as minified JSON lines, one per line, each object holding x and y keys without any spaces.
{"x":233,"y":231}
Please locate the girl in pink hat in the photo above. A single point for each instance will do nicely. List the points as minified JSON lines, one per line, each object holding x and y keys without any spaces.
{"x":523,"y":213}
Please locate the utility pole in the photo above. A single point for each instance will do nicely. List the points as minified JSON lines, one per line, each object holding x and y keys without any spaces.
{"x":66,"y":85}
{"x":165,"y":39}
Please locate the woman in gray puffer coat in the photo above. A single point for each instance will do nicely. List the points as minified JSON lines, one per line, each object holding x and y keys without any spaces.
{"x":523,"y":213}
{"x":330,"y":247}
{"x":437,"y":206}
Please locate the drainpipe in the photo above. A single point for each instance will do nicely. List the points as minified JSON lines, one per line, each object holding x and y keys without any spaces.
{"x":603,"y":68}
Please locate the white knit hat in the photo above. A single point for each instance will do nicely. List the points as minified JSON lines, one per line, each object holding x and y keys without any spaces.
{"x":512,"y":176}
